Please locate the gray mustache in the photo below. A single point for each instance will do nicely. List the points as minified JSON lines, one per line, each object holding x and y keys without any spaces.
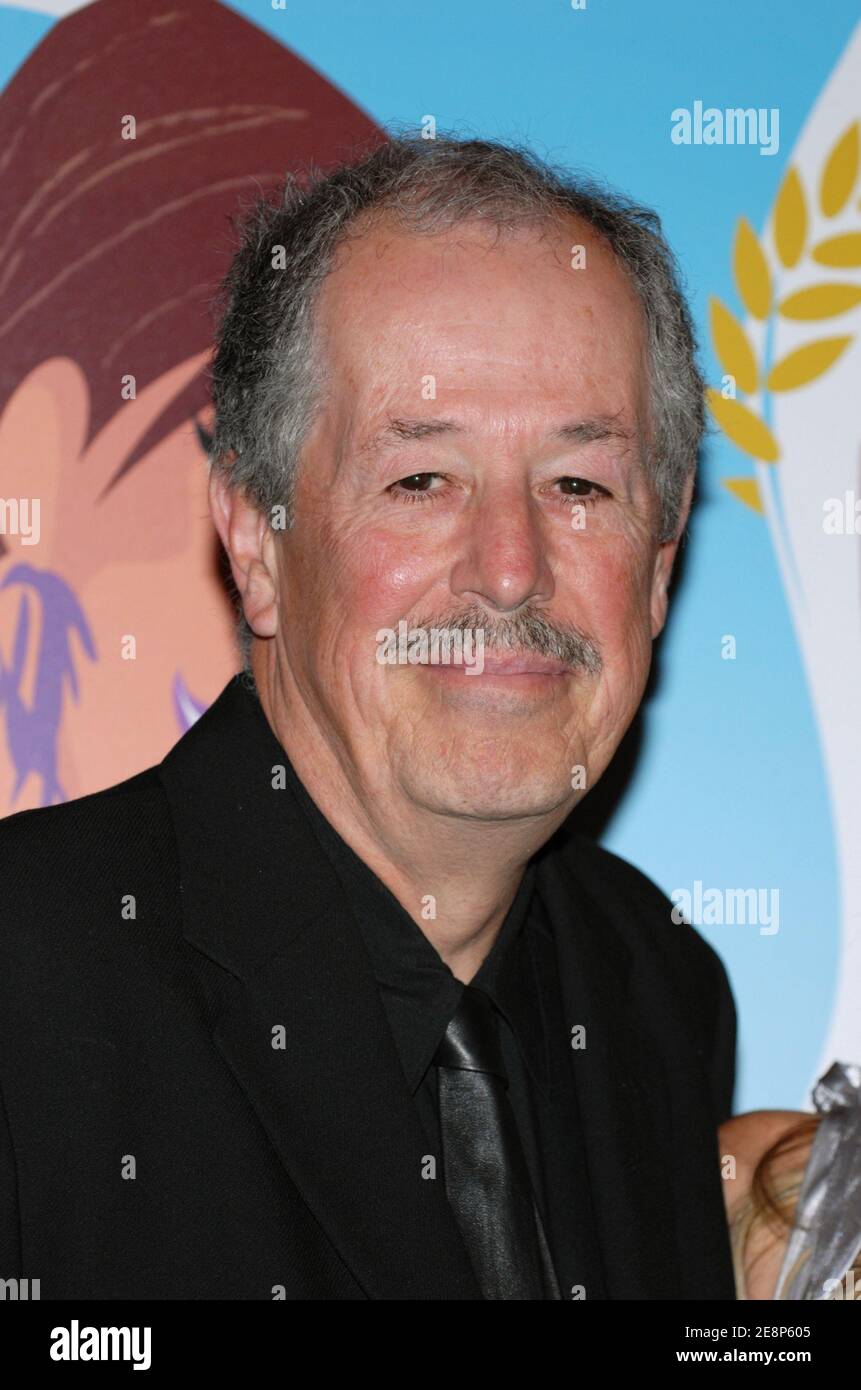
{"x":526,"y":631}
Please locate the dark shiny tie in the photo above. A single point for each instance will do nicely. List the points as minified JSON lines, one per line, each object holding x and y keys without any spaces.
{"x":486,"y":1175}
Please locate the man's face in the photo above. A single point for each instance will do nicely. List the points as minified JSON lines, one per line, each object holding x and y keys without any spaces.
{"x":511,"y":375}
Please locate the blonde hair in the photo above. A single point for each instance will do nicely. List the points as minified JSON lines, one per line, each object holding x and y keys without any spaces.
{"x":772,"y":1202}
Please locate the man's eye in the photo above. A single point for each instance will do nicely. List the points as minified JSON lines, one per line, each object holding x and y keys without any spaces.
{"x":582,"y":489}
{"x":421,"y":485}
{"x":414,"y":485}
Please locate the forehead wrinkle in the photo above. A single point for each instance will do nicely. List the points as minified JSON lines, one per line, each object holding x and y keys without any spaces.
{"x":400,"y":429}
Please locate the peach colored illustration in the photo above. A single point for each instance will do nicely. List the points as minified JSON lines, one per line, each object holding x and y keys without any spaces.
{"x":116,"y":630}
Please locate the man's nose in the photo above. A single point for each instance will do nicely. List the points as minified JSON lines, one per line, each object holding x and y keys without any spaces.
{"x":504,"y":562}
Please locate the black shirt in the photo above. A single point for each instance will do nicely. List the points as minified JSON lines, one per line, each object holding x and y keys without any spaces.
{"x":420,"y":995}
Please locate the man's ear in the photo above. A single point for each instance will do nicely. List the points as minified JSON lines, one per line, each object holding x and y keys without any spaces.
{"x":664,"y":561}
{"x":247,"y":538}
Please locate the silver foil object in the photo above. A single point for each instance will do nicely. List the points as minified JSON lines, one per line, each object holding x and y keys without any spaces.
{"x":826,"y":1238}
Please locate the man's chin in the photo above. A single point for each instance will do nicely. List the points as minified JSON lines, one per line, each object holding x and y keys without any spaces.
{"x":487,"y":794}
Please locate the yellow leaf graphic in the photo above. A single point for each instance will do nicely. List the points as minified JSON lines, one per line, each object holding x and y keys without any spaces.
{"x":790,"y":220}
{"x":821,"y":301}
{"x":734,"y":352}
{"x":747,"y":491}
{"x":750,"y":268}
{"x":840,"y":251}
{"x":745,"y":429}
{"x":840,"y":173}
{"x":805,"y":364}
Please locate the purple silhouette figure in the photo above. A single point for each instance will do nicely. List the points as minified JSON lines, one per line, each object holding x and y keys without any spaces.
{"x":186,"y":706}
{"x":31,"y":733}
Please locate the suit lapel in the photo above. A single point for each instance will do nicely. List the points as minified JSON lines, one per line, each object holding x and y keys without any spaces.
{"x":622,"y":1093}
{"x":261,"y":902}
{"x":335,"y":1104}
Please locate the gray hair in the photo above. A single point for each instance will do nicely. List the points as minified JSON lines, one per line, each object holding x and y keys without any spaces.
{"x":268,"y":379}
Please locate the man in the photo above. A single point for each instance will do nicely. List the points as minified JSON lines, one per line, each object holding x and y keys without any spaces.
{"x":321,"y":1007}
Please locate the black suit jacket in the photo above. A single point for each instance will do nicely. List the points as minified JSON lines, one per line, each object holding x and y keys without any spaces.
{"x":154,"y":1143}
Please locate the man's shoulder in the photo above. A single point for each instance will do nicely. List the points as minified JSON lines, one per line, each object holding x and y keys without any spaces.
{"x":132,"y":817}
{"x":90,"y":933}
{"x":608,"y":874}
{"x":641,"y":912}
{"x":71,"y":822}
{"x":55,"y":861}
{"x":676,"y":975}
